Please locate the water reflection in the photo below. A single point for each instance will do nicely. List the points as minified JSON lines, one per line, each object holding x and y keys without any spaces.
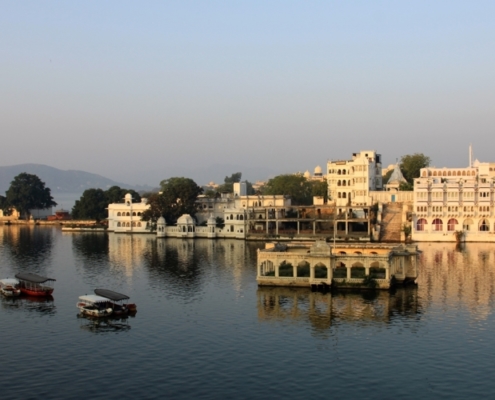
{"x":28,"y":247}
{"x":103,"y":325}
{"x":31,"y":304}
{"x":462,"y":275}
{"x":322,"y":310}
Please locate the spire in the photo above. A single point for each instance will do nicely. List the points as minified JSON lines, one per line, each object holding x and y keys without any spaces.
{"x":396,"y":176}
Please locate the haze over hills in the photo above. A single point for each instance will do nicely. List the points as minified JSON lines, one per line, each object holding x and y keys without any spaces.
{"x":60,"y":181}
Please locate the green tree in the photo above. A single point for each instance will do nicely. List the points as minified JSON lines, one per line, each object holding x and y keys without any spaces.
{"x":28,"y":192}
{"x":411,"y":164}
{"x":320,"y":188}
{"x":178,"y":196}
{"x":116,"y":194}
{"x":296,"y":186}
{"x":91,"y":205}
{"x":228,"y":184}
{"x":387,"y":176}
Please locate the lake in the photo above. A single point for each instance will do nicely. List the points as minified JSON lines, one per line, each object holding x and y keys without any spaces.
{"x":204,"y":330}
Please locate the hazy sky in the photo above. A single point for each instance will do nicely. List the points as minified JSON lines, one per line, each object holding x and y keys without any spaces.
{"x":143,"y":90}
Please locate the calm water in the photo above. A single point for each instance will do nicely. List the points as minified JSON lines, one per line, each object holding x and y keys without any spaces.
{"x":205,"y":330}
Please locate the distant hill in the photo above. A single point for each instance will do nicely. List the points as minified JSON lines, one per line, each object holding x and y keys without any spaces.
{"x":60,"y":181}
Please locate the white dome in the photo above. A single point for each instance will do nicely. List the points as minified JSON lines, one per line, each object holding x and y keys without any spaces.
{"x":307,"y":174}
{"x":317,"y":170}
{"x":161,"y":221}
{"x":185,"y":219}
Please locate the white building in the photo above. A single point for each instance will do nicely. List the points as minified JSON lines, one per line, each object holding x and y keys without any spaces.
{"x":350,"y":181}
{"x":126,"y":216}
{"x":450,"y":202}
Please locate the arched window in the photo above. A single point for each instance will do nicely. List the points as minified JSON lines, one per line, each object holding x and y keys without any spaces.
{"x":118,"y":224}
{"x":434,"y":173}
{"x":421,"y":224}
{"x":339,"y":172}
{"x":139,"y":224}
{"x":133,"y":224}
{"x":128,"y":214}
{"x":343,"y":172}
{"x":484,"y":227}
{"x":449,"y":173}
{"x":139,"y":214}
{"x":128,"y":225}
{"x":437,"y":224}
{"x":344,"y":194}
{"x":231,"y":216}
{"x":343,"y":183}
{"x":467,"y":224}
{"x":451,"y":224}
{"x":242,"y":217}
{"x":118,"y":214}
{"x":338,"y":183}
{"x":134,"y":213}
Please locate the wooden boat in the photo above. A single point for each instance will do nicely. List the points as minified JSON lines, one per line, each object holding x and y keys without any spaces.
{"x":116,"y":301}
{"x":34,"y":285}
{"x":94,"y":306}
{"x":10,"y":287}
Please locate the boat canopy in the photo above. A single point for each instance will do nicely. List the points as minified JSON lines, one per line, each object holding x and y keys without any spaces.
{"x":109,"y":294}
{"x":91,"y":298}
{"x":33,"y":278}
{"x":9,"y":282}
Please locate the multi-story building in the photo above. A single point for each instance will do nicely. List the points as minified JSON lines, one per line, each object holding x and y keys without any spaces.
{"x":127,"y":216}
{"x":350,"y":181}
{"x":455,"y":204}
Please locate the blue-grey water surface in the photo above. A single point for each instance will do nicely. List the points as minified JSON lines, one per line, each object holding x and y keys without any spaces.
{"x":205,"y":330}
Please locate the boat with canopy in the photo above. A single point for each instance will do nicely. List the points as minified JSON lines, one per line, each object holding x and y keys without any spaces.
{"x":10,"y":287}
{"x":116,"y":301}
{"x":35,"y":285}
{"x":94,"y":306}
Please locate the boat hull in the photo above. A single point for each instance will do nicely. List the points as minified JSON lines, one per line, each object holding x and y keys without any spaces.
{"x":39,"y":293}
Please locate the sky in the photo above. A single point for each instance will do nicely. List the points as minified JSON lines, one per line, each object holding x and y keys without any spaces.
{"x":142,"y":91}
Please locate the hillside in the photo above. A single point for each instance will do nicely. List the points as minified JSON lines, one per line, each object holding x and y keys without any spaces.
{"x":60,"y":181}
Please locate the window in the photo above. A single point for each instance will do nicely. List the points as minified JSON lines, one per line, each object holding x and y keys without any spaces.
{"x":437,"y":224}
{"x":451,"y":224}
{"x":484,"y":227}
{"x":420,"y":225}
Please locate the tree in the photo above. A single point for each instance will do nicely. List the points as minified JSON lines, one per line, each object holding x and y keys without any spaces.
{"x":178,"y":196}
{"x":387,"y":176}
{"x":116,"y":195}
{"x":296,"y":186}
{"x":228,"y":184}
{"x":320,"y":188}
{"x":94,"y":202}
{"x":411,"y":164}
{"x":91,"y":205}
{"x":28,"y":192}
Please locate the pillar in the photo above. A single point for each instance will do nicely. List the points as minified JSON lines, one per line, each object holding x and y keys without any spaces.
{"x":277,"y":270}
{"x":294,"y":270}
{"x":348,"y":272}
{"x":311,"y":272}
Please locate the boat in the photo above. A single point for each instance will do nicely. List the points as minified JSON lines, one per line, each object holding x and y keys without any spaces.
{"x":116,"y":301}
{"x":10,"y":287}
{"x":94,"y":306}
{"x":34,"y":285}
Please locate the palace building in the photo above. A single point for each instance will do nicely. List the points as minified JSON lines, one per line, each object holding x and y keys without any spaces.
{"x":455,"y":204}
{"x":351,"y":181}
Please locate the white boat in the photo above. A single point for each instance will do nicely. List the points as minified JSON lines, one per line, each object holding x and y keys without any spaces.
{"x":10,"y":287}
{"x":94,"y":306}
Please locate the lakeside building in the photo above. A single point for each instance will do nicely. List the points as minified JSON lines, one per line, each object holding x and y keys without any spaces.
{"x":455,"y":204}
{"x":126,"y":217}
{"x":351,"y":181}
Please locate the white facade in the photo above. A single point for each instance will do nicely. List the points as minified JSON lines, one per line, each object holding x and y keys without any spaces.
{"x":350,"y":181}
{"x":126,"y":217}
{"x":451,"y":202}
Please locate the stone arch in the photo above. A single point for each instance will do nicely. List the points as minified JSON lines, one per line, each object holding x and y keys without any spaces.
{"x":285,"y":269}
{"x":128,"y":225}
{"x":118,"y":214}
{"x":267,"y":268}
{"x":340,"y":270}
{"x":358,"y":270}
{"x":118,"y":224}
{"x":303,"y":269}
{"x":321,"y":271}
{"x":377,"y":271}
{"x":134,"y":213}
{"x":128,"y":214}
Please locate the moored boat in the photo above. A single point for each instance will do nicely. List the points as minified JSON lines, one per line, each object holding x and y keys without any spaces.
{"x":34,"y":285}
{"x":94,"y":306}
{"x":116,"y":301}
{"x":10,"y":287}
